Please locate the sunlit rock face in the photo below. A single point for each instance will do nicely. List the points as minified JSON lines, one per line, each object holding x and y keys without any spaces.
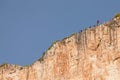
{"x":91,"y":54}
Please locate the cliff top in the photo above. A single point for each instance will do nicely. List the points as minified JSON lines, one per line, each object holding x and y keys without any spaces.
{"x":114,"y":22}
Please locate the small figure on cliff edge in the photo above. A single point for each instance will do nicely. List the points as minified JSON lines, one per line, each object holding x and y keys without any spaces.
{"x":98,"y":22}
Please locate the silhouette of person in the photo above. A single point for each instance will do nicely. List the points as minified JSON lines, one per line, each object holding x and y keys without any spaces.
{"x":98,"y":22}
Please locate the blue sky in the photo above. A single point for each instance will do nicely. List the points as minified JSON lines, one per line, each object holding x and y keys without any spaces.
{"x":28,"y":27}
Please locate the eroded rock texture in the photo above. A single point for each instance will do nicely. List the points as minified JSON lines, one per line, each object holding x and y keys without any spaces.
{"x":92,"y":54}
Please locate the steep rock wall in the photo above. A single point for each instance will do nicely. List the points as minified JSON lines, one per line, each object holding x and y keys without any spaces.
{"x":91,"y":54}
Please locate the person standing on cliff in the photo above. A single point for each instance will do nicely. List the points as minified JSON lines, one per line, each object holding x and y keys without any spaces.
{"x":98,"y":22}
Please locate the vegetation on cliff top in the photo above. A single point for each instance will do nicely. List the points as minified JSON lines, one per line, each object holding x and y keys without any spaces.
{"x":5,"y":64}
{"x":41,"y":59}
{"x":117,"y":15}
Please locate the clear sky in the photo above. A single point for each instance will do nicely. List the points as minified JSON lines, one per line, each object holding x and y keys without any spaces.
{"x":28,"y":27}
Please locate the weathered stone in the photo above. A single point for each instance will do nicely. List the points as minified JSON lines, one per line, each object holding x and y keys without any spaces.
{"x":93,"y":54}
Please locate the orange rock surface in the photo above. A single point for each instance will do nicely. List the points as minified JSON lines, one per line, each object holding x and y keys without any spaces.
{"x":92,"y":54}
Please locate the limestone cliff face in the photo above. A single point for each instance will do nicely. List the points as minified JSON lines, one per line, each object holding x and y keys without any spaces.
{"x":92,"y":54}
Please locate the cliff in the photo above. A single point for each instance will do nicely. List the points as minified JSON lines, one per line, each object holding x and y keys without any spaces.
{"x":91,"y":54}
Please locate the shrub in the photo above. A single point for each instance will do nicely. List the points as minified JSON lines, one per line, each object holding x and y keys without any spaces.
{"x":41,"y":59}
{"x":2,"y":65}
{"x":117,"y":15}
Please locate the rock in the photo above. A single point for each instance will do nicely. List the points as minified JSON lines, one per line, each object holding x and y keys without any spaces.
{"x":93,"y":54}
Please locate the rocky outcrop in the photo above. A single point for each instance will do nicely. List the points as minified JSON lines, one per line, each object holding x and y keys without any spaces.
{"x":91,"y":54}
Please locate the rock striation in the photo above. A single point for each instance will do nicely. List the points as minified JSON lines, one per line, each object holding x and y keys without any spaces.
{"x":91,"y":54}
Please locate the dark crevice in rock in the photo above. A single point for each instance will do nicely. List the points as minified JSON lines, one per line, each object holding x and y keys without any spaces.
{"x":98,"y":45}
{"x":116,"y":58}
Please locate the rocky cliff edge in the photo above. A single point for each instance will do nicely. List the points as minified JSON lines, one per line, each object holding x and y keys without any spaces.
{"x":91,"y":54}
